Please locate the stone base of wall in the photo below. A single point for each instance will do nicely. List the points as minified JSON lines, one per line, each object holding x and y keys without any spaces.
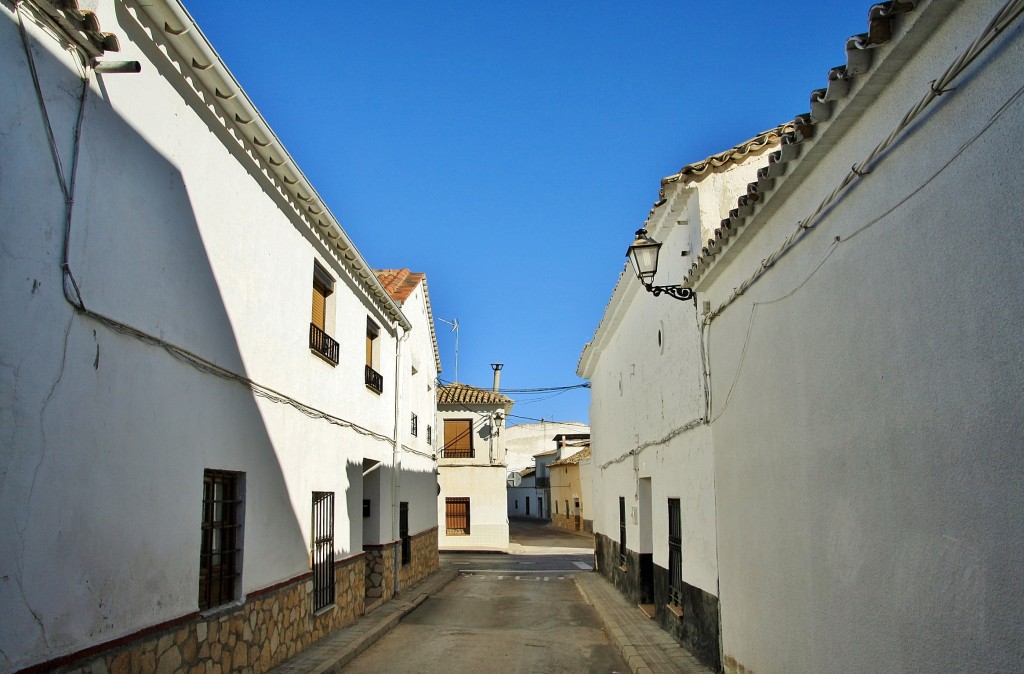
{"x":697,"y":629}
{"x":424,"y":560}
{"x":380,"y":571}
{"x":271,"y":626}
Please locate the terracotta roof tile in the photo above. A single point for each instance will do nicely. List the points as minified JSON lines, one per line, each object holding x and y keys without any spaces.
{"x":399,"y":282}
{"x":859,"y":57}
{"x":573,"y":460}
{"x":81,"y":26}
{"x":456,"y":394}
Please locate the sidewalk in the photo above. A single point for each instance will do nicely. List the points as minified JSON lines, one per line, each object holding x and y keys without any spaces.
{"x":645,"y":647}
{"x":332,"y":653}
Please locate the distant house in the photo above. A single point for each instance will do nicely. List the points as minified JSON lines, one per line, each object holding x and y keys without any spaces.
{"x":816,"y":465}
{"x":570,"y":480}
{"x":205,"y":391}
{"x":534,"y":445}
{"x":472,"y":468}
{"x":522,"y":498}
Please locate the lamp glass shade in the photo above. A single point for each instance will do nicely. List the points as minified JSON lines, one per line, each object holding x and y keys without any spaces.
{"x":644,"y":256}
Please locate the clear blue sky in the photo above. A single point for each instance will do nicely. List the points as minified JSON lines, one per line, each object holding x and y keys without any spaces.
{"x":509,"y":150}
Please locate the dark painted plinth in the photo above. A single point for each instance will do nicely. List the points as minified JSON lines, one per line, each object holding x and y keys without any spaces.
{"x":698,"y":628}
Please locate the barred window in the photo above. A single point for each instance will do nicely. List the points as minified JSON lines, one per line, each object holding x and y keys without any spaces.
{"x":220,"y":553}
{"x":622,"y":530}
{"x":430,"y":435}
{"x":321,"y":549}
{"x":403,"y":532}
{"x":415,"y":426}
{"x":675,"y":553}
{"x":456,"y":516}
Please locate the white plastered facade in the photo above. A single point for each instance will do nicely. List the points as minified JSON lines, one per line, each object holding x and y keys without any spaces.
{"x":182,"y":232}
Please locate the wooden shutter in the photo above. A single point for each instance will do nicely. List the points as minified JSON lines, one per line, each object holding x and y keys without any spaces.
{"x":319,"y":304}
{"x":456,"y":512}
{"x":458,"y":438}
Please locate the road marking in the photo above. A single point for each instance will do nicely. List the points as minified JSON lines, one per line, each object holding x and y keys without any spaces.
{"x":584,"y":567}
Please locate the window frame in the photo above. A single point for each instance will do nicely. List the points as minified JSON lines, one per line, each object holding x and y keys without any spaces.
{"x":321,"y":549}
{"x":320,"y":341}
{"x":675,"y":553}
{"x":373,"y":379}
{"x":459,"y":452}
{"x":221,"y":542}
{"x":451,"y":505}
{"x":403,"y":532}
{"x":622,"y":531}
{"x":414,"y":426}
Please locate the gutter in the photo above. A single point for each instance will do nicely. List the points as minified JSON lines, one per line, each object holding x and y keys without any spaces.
{"x":170,"y":25}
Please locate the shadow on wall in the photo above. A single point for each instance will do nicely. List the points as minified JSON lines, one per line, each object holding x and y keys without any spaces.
{"x":103,"y":475}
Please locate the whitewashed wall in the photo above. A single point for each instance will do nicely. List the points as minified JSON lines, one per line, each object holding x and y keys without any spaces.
{"x":868,"y":448}
{"x":104,"y":439}
{"x":481,"y":478}
{"x":645,"y":370}
{"x":418,"y":482}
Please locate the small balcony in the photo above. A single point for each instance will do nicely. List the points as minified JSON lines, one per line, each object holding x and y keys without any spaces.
{"x":323,"y":344}
{"x":456,"y":453}
{"x":374,"y":381}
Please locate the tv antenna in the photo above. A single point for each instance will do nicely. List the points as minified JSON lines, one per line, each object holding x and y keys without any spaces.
{"x":455,"y":328}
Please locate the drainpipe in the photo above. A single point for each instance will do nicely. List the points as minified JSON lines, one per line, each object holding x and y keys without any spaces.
{"x":396,"y":461}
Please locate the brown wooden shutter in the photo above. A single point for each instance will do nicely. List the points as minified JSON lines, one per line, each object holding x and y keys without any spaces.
{"x":369,"y":349}
{"x":458,"y":438}
{"x":319,"y":305}
{"x":456,"y":515}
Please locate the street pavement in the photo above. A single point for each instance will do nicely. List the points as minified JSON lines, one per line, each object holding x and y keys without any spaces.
{"x":537,"y":609}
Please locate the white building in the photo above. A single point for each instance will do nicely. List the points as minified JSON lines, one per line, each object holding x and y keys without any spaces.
{"x":194,"y":453}
{"x":535,"y":445}
{"x":834,"y":427}
{"x":472,"y":468}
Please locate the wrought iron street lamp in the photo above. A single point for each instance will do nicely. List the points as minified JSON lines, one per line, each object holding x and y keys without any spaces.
{"x":644,"y":256}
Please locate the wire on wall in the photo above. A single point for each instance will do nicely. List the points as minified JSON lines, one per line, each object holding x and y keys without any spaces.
{"x":177,"y":352}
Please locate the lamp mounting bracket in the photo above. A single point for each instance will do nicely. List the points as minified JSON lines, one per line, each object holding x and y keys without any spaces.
{"x":678,"y":292}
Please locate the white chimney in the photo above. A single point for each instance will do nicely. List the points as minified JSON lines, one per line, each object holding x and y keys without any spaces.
{"x":497,"y":374}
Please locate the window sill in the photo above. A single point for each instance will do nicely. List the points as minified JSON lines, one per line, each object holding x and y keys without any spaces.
{"x":676,"y":610}
{"x":323,"y":358}
{"x":215,"y":611}
{"x":370,"y":388}
{"x":330,"y":608}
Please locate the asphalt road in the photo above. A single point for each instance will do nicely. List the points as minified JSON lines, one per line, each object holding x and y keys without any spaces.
{"x":518,"y":612}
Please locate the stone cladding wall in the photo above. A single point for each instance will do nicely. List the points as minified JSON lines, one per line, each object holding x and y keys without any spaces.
{"x":270,"y":627}
{"x":380,"y":571}
{"x":424,"y":559}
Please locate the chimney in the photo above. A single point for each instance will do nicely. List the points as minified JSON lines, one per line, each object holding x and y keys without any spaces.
{"x":497,"y":374}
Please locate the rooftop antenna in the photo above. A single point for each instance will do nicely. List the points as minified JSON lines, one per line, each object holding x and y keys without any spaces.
{"x":455,"y":328}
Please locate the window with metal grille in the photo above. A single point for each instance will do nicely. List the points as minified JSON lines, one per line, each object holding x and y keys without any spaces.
{"x":319,"y":340}
{"x":374,"y":380}
{"x":403,"y":532}
{"x":415,"y":426}
{"x":220,"y":552}
{"x":430,"y":435}
{"x":321,"y":549}
{"x":675,"y":553}
{"x":458,"y":438}
{"x":622,"y":530}
{"x":456,"y":511}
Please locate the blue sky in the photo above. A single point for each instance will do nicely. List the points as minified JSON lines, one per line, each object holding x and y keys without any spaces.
{"x":509,"y":150}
